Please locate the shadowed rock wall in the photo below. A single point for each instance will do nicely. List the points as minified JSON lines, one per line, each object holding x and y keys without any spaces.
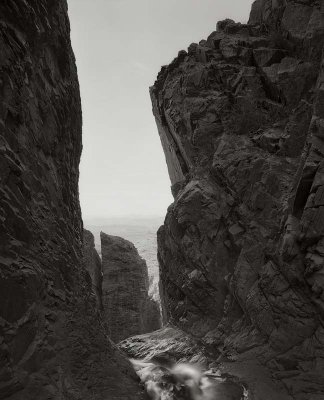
{"x":92,"y":263}
{"x":241,"y":120}
{"x":52,"y":342}
{"x":127,"y":308}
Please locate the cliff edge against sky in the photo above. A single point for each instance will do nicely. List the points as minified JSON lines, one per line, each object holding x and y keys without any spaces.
{"x":241,"y":120}
{"x":52,"y":342}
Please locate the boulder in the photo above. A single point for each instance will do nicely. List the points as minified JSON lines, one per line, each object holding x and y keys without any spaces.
{"x":127,"y":308}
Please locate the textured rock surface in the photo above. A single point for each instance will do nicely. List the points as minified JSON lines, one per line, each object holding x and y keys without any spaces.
{"x":154,"y":355}
{"x":92,"y":263}
{"x":169,"y":342}
{"x":52,"y":343}
{"x":241,"y":120}
{"x":127,"y":308}
{"x":142,"y":233}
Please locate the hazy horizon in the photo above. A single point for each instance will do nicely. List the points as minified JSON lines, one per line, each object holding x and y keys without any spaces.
{"x":123,"y":220}
{"x":120,"y":46}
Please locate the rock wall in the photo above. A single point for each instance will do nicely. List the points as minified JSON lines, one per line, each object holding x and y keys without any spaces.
{"x":92,"y":263}
{"x":52,"y":342}
{"x":127,"y":308}
{"x":241,"y":120}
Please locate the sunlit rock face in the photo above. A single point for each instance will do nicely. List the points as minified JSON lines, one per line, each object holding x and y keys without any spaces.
{"x":52,"y":343}
{"x":241,"y":255}
{"x":92,"y":263}
{"x":127,"y":308}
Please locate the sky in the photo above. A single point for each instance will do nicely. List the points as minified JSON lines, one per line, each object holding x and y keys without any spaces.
{"x":120,"y":46}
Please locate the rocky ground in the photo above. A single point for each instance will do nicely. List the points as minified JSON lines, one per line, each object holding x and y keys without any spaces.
{"x":175,"y":366}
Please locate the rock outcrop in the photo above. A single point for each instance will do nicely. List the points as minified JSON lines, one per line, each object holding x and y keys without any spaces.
{"x":127,"y":308}
{"x":92,"y":263}
{"x":241,"y":120}
{"x":167,"y":342}
{"x":52,"y":342}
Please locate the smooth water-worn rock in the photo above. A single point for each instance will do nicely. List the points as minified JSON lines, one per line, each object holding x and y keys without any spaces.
{"x":52,"y":342}
{"x":168,"y":342}
{"x":175,"y":366}
{"x":92,"y":263}
{"x":127,"y":308}
{"x":240,"y":116}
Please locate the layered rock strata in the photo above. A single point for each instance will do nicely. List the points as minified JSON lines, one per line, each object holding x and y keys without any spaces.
{"x":52,"y":341}
{"x":240,"y":116}
{"x":127,"y":308}
{"x":92,"y":263}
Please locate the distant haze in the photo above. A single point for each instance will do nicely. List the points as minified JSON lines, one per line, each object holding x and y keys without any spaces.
{"x":120,"y":46}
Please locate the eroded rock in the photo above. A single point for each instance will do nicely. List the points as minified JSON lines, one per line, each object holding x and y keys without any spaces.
{"x":175,"y":366}
{"x":52,"y":341}
{"x":127,"y":308}
{"x":92,"y":263}
{"x":240,"y":118}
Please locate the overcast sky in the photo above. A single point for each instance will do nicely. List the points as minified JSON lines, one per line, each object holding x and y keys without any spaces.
{"x":120,"y":46}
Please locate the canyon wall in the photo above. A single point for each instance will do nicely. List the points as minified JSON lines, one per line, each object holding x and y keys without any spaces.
{"x":127,"y":308}
{"x":241,"y":120}
{"x":52,"y":341}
